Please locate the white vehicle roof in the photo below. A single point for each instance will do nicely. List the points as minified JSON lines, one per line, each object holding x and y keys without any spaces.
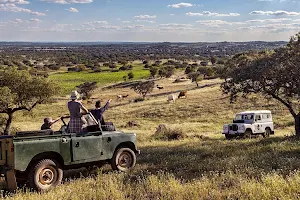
{"x":256,"y":112}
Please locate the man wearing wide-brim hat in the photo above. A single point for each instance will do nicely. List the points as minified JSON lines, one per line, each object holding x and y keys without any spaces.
{"x":76,"y":122}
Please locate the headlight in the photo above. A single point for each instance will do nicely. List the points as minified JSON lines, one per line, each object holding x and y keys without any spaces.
{"x":241,"y":128}
{"x":225,"y":128}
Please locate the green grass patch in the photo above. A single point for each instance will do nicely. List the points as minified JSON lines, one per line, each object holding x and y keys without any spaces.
{"x":69,"y":80}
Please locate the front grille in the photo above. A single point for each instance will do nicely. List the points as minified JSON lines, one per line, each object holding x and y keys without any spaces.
{"x":233,"y":127}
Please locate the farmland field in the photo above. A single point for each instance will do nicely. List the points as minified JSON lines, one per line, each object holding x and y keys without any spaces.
{"x":69,"y":80}
{"x":202,"y":166}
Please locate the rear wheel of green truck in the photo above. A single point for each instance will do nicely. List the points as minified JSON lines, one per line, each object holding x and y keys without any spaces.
{"x":123,"y":160}
{"x":45,"y":175}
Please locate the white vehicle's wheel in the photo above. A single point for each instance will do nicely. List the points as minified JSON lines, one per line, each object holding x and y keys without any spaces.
{"x":247,"y":134}
{"x":267,"y":133}
{"x":229,"y":137}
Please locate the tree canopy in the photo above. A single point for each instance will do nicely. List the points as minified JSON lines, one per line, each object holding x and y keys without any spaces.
{"x":21,"y":91}
{"x":143,"y":88}
{"x":272,"y":73}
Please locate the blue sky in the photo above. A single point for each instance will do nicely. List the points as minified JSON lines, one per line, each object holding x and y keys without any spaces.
{"x":149,"y":21}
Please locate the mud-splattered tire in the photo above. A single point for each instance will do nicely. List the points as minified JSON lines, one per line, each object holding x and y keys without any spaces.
{"x":123,"y":160}
{"x":229,"y":137}
{"x":247,"y":134}
{"x":45,"y":175}
{"x":267,"y":133}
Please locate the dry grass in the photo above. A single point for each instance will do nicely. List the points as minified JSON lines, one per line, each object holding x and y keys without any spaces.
{"x":203,"y":166}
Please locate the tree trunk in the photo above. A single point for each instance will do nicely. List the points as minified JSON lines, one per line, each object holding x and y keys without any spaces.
{"x":8,"y":124}
{"x":297,"y":125}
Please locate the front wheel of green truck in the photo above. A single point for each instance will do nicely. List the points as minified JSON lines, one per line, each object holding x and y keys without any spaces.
{"x":45,"y":175}
{"x":123,"y":160}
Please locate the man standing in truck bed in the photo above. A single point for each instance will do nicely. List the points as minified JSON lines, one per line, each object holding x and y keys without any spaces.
{"x":98,"y":111}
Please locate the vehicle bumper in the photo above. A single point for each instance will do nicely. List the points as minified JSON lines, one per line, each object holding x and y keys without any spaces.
{"x":233,"y":133}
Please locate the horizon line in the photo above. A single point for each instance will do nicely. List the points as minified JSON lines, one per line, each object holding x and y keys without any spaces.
{"x":16,"y":41}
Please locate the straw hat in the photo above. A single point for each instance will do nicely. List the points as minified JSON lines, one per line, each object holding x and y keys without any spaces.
{"x":75,"y":95}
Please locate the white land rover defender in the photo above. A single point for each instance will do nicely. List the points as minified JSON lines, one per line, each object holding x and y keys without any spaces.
{"x":250,"y":123}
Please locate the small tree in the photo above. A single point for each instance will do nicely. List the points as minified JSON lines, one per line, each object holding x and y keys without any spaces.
{"x":143,"y":88}
{"x":130,"y":75}
{"x":153,"y":71}
{"x":188,"y":70}
{"x":195,"y":77}
{"x":87,"y":88}
{"x":206,"y":71}
{"x":275,"y":74}
{"x":213,"y":60}
{"x":21,"y":91}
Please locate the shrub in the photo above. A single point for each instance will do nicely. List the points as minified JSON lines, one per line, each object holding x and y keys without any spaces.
{"x":97,"y":69}
{"x":123,"y":68}
{"x":139,"y":99}
{"x":165,"y":133}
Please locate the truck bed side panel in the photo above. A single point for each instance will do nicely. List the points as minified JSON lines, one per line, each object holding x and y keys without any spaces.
{"x":26,"y":150}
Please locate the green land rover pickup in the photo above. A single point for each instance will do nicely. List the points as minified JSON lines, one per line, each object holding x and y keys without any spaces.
{"x":39,"y":157}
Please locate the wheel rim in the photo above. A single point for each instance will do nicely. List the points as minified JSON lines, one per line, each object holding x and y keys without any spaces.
{"x":47,"y":176}
{"x":267,"y":133}
{"x":247,"y":134}
{"x":125,"y":160}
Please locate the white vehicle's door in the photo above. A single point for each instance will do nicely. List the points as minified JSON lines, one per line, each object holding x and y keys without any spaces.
{"x":258,"y":124}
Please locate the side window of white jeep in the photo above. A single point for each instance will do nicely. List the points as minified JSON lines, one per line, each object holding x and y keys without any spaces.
{"x":257,"y":118}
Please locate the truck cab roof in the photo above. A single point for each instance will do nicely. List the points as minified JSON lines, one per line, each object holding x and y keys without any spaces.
{"x":256,"y":112}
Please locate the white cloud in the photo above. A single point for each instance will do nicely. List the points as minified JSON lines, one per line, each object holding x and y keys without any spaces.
{"x":174,"y":26}
{"x":208,"y":13}
{"x":271,"y":27}
{"x":72,"y":9}
{"x":275,"y":13}
{"x":268,"y":20}
{"x":95,"y":23}
{"x":17,"y":21}
{"x":15,"y":1}
{"x":145,"y":17}
{"x":68,"y":1}
{"x":35,"y":20}
{"x":213,"y":23}
{"x":126,"y":22}
{"x":133,"y":27}
{"x":147,"y":21}
{"x":181,"y":5}
{"x":14,"y":8}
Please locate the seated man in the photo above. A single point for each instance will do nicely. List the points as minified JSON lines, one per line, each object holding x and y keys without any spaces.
{"x":98,"y":111}
{"x":48,"y":122}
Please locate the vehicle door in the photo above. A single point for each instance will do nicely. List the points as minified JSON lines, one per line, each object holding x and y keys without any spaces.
{"x":258,"y":124}
{"x":87,"y":148}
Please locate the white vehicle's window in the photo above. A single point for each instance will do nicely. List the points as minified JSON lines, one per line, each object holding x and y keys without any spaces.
{"x":248,"y":117}
{"x":238,"y":117}
{"x":257,"y":117}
